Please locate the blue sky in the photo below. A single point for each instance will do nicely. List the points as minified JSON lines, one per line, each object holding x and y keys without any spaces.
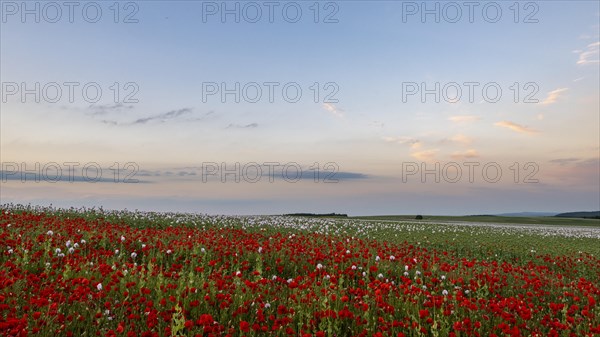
{"x":372,"y":135}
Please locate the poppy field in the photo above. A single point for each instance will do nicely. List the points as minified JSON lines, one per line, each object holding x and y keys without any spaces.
{"x":90,"y":272}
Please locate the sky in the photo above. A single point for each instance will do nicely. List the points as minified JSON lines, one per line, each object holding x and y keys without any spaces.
{"x":356,"y":107}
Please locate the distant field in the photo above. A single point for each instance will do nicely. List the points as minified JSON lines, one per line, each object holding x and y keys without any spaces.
{"x":534,"y":220}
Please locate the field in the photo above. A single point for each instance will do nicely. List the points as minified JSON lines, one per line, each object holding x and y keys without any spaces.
{"x":104,"y":273}
{"x":524,"y":220}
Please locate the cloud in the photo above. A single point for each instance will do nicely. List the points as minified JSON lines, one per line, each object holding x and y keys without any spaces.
{"x":590,"y":55}
{"x":400,"y":140}
{"x":337,"y":112}
{"x":107,"y":108}
{"x":54,"y":176}
{"x":515,"y":127}
{"x":564,"y":161}
{"x":554,"y":95}
{"x":338,"y":176}
{"x":580,"y":162}
{"x":147,"y":173}
{"x":464,"y":118}
{"x":471,"y":153}
{"x":416,"y":145}
{"x":426,"y":155}
{"x":185,"y":173}
{"x":412,"y":142}
{"x":216,"y":173}
{"x":109,"y":122}
{"x":164,"y":116}
{"x":202,"y":117}
{"x":238,"y":126}
{"x":459,"y":139}
{"x":593,"y":162}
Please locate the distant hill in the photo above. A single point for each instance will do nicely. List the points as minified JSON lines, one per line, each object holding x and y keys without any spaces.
{"x":585,"y":215}
{"x":529,"y":214}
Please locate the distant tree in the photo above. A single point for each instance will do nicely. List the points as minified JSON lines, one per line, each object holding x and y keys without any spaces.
{"x":419,"y":217}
